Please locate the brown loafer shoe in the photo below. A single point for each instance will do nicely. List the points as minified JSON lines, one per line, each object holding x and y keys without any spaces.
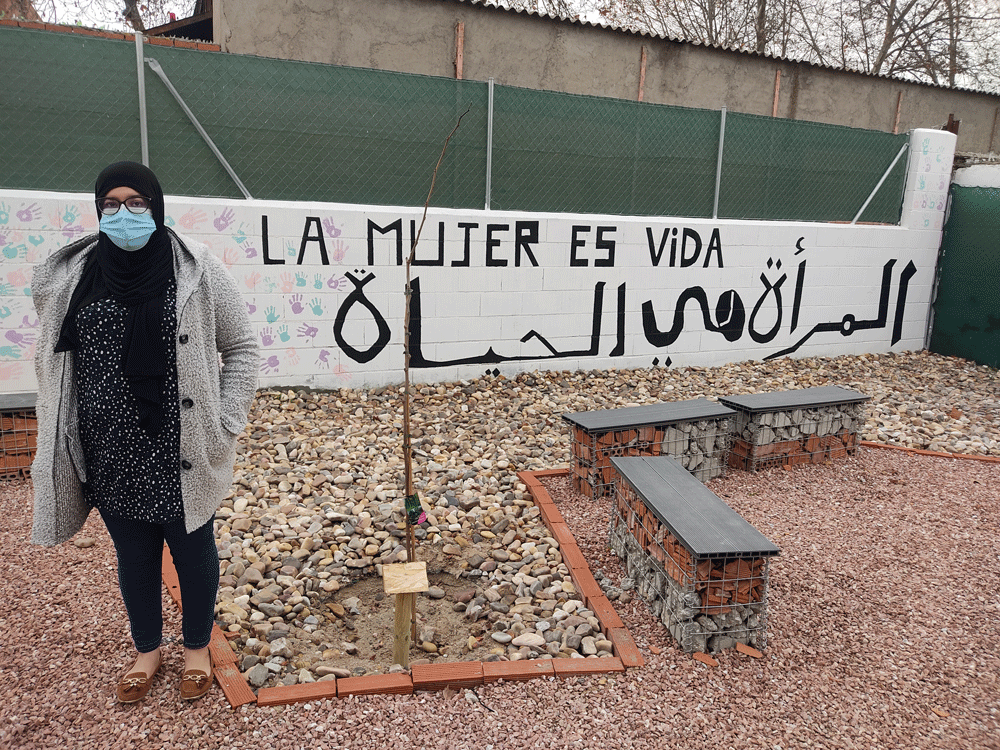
{"x":194,"y":684}
{"x":134,"y":686}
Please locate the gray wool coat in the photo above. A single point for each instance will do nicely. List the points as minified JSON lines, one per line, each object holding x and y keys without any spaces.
{"x":212,"y":320}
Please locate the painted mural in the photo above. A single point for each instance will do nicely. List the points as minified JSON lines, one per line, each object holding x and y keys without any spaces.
{"x":497,"y":292}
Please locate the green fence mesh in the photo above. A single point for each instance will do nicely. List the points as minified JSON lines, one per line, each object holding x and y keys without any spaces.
{"x":306,"y":131}
{"x":967,"y":309}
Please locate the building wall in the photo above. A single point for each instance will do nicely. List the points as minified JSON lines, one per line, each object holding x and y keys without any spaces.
{"x":419,"y":36}
{"x":497,"y":292}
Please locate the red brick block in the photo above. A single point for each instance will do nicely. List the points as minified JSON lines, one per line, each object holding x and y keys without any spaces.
{"x":159,"y":41}
{"x":234,"y":685}
{"x":551,"y":515}
{"x":602,"y":609}
{"x":705,"y":659}
{"x":576,"y":667}
{"x":625,"y":647}
{"x":185,"y":44}
{"x":8,"y":22}
{"x":561,"y":533}
{"x":375,"y":684}
{"x":218,"y":646}
{"x":209,"y":47}
{"x":517,"y":671}
{"x":449,"y":674}
{"x":572,"y":556}
{"x":547,"y":473}
{"x":286,"y":694}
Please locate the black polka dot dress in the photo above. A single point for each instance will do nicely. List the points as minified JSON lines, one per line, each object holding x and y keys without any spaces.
{"x":130,"y":474}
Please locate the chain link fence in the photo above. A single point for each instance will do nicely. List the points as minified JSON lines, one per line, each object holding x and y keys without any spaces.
{"x":313,"y":132}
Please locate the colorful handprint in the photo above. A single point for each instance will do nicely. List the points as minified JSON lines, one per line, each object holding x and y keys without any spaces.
{"x":271,"y":364}
{"x":224,"y":220}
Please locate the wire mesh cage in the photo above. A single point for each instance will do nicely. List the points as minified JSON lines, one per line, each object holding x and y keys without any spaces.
{"x":701,"y":446}
{"x":794,"y":436}
{"x":708,"y":603}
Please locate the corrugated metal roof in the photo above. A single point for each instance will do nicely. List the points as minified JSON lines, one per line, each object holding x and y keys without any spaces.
{"x":735,"y":50}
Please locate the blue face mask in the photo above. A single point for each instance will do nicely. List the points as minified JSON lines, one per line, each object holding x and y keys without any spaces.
{"x":127,"y":230}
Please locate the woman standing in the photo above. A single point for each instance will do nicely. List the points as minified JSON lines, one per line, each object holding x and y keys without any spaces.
{"x":135,"y":415}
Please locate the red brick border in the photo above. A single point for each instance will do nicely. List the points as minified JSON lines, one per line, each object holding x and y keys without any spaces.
{"x":936,"y":454}
{"x":444,"y":674}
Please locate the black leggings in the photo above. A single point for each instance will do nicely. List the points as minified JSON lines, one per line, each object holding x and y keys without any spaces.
{"x":140,"y":558}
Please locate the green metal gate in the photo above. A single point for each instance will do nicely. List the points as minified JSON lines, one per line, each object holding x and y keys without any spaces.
{"x":967,"y":309}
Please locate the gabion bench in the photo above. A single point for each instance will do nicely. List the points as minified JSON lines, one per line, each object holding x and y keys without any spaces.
{"x":700,"y":565}
{"x":788,"y":428}
{"x":695,"y":432}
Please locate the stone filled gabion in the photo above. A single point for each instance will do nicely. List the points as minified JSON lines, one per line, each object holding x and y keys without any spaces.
{"x":693,"y":619}
{"x":701,"y":446}
{"x":795,"y":436}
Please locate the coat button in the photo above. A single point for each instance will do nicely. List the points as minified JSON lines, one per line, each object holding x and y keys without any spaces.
{"x":183,"y":338}
{"x":185,"y":464}
{"x":187,"y":403}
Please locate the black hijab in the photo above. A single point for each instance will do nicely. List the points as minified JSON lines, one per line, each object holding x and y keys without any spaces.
{"x":138,"y":280}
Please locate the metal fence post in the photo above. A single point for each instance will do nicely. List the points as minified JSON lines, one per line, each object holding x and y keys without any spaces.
{"x":489,"y":146}
{"x":141,"y":77}
{"x":885,"y":174}
{"x":718,"y":164}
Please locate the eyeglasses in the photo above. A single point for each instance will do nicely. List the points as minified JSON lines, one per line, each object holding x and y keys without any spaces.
{"x":137,"y":204}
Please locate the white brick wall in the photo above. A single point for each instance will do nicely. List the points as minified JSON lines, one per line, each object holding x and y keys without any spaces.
{"x":473,"y":318}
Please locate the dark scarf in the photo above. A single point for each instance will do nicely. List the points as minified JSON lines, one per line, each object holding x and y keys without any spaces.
{"x":139,"y":281}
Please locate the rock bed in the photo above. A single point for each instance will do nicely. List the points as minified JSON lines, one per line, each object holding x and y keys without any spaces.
{"x":318,"y":491}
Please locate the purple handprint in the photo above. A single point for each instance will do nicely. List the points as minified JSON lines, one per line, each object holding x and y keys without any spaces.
{"x":307,"y":331}
{"x":296,"y":301}
{"x":249,"y":250}
{"x":330,"y":227}
{"x":269,"y":364}
{"x":324,"y":358}
{"x":70,"y":231}
{"x":251,"y":308}
{"x":29,"y":213}
{"x":26,"y":324}
{"x":20,"y":339}
{"x":266,"y":337}
{"x":336,"y":282}
{"x":223,"y":220}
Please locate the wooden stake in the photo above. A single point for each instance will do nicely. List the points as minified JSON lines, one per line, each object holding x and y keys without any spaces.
{"x":401,"y":627}
{"x":459,"y":49}
{"x":777,"y":91}
{"x":899,"y":109}
{"x":404,"y":580}
{"x":642,"y":73}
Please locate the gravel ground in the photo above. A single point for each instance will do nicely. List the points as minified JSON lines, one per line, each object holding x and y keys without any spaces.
{"x":884,"y":609}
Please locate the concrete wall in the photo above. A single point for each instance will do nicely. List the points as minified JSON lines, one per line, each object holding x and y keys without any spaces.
{"x":508,"y":292}
{"x":418,"y":36}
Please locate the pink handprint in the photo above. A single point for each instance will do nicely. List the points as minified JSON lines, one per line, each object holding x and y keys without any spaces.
{"x":17,"y":278}
{"x":341,"y":373}
{"x":266,"y":337}
{"x":339,"y":250}
{"x":269,"y":364}
{"x":252,"y":280}
{"x":229,"y":256}
{"x":29,"y":213}
{"x":223,"y":220}
{"x":292,"y":356}
{"x":330,"y":227}
{"x":324,"y":358}
{"x":9,"y":371}
{"x":192,"y":219}
{"x":296,"y":301}
{"x":307,"y":331}
{"x":287,"y":283}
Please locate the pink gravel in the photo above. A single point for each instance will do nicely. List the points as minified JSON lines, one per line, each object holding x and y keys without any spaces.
{"x":883,"y":632}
